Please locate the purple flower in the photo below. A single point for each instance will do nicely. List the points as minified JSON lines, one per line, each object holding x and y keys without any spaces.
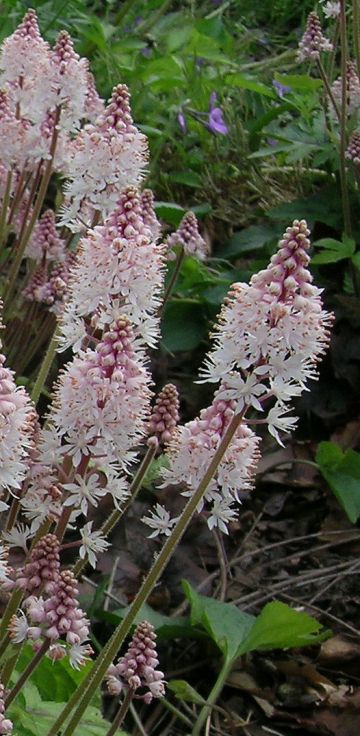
{"x":281,"y":89}
{"x":216,"y":123}
{"x":182,"y":122}
{"x":146,"y":51}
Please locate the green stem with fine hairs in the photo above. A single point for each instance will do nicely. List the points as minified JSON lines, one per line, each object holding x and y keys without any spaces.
{"x":110,"y":650}
{"x":211,"y":700}
{"x":36,"y":212}
{"x":356,"y":32}
{"x":120,"y":715}
{"x":4,"y":208}
{"x":45,"y":368}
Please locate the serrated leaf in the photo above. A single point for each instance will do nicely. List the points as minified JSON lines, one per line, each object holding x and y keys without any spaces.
{"x":342,"y":472}
{"x":280,"y":627}
{"x":250,"y":238}
{"x":334,"y":250}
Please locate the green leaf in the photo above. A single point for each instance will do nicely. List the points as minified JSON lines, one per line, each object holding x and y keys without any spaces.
{"x":251,"y":238}
{"x":38,"y":716}
{"x":319,"y":207}
{"x":183,"y":691}
{"x":342,"y":472}
{"x":250,"y":83}
{"x":189,"y":178}
{"x":279,"y":627}
{"x":225,"y":624}
{"x":334,"y":250}
{"x":299,"y":82}
{"x":54,"y":681}
{"x":183,"y":326}
{"x":170,"y":212}
{"x":166,"y":627}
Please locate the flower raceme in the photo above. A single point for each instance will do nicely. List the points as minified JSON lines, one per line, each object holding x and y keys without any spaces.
{"x":271,"y":332}
{"x":268,"y":341}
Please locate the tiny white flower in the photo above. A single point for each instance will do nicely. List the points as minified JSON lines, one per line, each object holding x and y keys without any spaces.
{"x":221,"y":514}
{"x":160,"y":521}
{"x":18,"y":536}
{"x":92,"y":543}
{"x":78,"y":654}
{"x":83,"y":492}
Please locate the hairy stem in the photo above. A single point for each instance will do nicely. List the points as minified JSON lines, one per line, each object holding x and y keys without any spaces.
{"x":27,"y":672}
{"x":120,"y":715}
{"x":215,"y":692}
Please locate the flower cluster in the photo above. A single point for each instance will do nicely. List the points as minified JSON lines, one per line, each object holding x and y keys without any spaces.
{"x":57,"y":619}
{"x":271,"y":333}
{"x":119,"y":270}
{"x":352,"y":88}
{"x":189,"y":454}
{"x":137,"y":669}
{"x":313,"y":41}
{"x":6,"y":726}
{"x":187,"y":236}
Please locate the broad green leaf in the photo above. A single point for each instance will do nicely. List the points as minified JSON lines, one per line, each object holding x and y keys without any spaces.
{"x":225,"y":624}
{"x":183,"y":691}
{"x":55,"y":681}
{"x":245,"y":82}
{"x":299,"y":82}
{"x":342,"y":472}
{"x":251,"y":238}
{"x":183,"y":326}
{"x":166,"y":627}
{"x":279,"y":627}
{"x":319,"y":207}
{"x":170,"y":212}
{"x":356,"y":259}
{"x":189,"y":178}
{"x":334,"y":250}
{"x":36,"y":717}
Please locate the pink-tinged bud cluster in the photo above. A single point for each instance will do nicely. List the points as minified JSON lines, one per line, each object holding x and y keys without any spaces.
{"x":190,"y":452}
{"x":101,"y":405}
{"x":119,"y":270}
{"x":43,"y":567}
{"x":49,"y":285}
{"x":165,"y":414}
{"x":188,"y":237}
{"x":313,"y":40}
{"x":45,"y":244}
{"x":353,"y":150}
{"x":6,"y":726}
{"x":138,"y":668}
{"x":24,"y":52}
{"x":103,"y":159}
{"x":69,"y":81}
{"x":17,"y":417}
{"x":58,"y":619}
{"x":352,"y":88}
{"x":271,"y":332}
{"x":148,"y":213}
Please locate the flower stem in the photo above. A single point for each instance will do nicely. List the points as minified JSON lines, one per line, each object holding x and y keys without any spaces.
{"x":328,"y":89}
{"x":356,"y":32}
{"x":173,"y":279}
{"x":110,"y":650}
{"x":45,"y":368}
{"x":215,"y":692}
{"x":35,"y":214}
{"x":120,"y":715}
{"x":4,"y":208}
{"x":27,"y":672}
